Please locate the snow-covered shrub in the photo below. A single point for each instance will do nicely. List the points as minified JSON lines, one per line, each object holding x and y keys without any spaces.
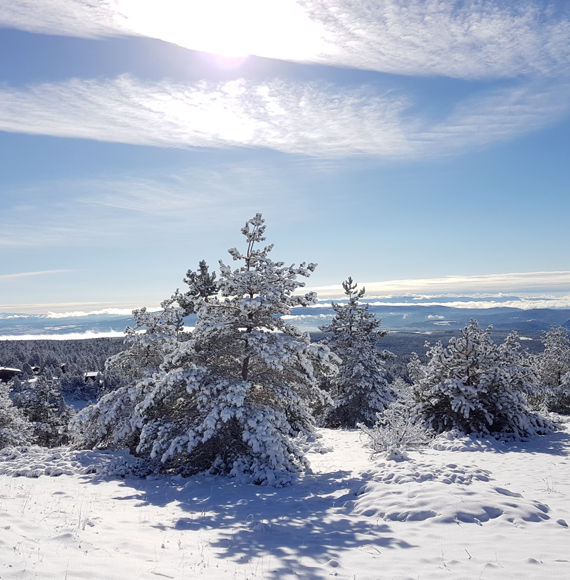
{"x":398,"y":428}
{"x":15,"y":429}
{"x":360,"y":389}
{"x":233,"y":396}
{"x":476,"y":386}
{"x":552,"y":391}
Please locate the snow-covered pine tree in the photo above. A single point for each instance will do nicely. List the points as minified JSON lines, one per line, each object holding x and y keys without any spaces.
{"x":360,"y":389}
{"x":553,"y":370}
{"x":234,"y":396}
{"x":554,"y":362}
{"x":15,"y":429}
{"x":477,"y":386}
{"x":44,"y":407}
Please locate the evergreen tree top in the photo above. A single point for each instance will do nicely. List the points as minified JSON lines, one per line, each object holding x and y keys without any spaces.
{"x":261,"y":283}
{"x":352,"y":323}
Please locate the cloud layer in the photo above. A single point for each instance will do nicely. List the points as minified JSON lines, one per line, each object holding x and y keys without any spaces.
{"x":301,"y":118}
{"x":522,"y":282}
{"x":470,"y":39}
{"x":83,"y":313}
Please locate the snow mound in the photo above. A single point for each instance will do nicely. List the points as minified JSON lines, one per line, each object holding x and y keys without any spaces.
{"x":37,"y":461}
{"x":447,"y":493}
{"x":418,"y":472}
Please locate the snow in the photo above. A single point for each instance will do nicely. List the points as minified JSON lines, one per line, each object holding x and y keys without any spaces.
{"x":464,"y":508}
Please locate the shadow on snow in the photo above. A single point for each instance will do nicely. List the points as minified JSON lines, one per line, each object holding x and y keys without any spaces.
{"x":310,"y":520}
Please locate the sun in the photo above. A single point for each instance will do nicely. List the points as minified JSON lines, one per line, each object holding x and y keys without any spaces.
{"x":232,"y":29}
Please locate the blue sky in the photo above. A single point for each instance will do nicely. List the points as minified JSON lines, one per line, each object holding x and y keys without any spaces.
{"x":419,"y":147}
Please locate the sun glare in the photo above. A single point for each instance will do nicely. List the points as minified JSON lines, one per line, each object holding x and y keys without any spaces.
{"x":228,"y":28}
{"x":223,"y":61}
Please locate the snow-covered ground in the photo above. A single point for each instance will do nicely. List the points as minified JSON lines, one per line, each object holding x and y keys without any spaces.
{"x":466,"y":509}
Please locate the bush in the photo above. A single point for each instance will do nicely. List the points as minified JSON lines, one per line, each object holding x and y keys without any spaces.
{"x":398,"y":428}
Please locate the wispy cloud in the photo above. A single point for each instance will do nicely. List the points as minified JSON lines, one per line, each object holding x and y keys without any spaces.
{"x":290,"y":117}
{"x":494,"y":117}
{"x":524,"y":303}
{"x":80,"y":18}
{"x":195,"y":192}
{"x":44,"y":234}
{"x":112,"y":210}
{"x":301,"y":118}
{"x":470,"y":39}
{"x":516,"y":283}
{"x":20,"y":275}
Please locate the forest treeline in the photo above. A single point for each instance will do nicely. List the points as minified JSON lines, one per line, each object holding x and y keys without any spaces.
{"x":65,"y":360}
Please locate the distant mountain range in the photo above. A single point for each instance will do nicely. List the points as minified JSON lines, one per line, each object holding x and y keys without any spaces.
{"x":420,"y":317}
{"x":397,"y":313}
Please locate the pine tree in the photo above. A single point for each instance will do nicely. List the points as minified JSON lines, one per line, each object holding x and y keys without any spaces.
{"x":111,"y":423}
{"x":15,"y":429}
{"x":553,"y":370}
{"x":476,"y":386}
{"x":234,"y":395}
{"x":44,"y":407}
{"x":360,"y":389}
{"x":554,"y":362}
